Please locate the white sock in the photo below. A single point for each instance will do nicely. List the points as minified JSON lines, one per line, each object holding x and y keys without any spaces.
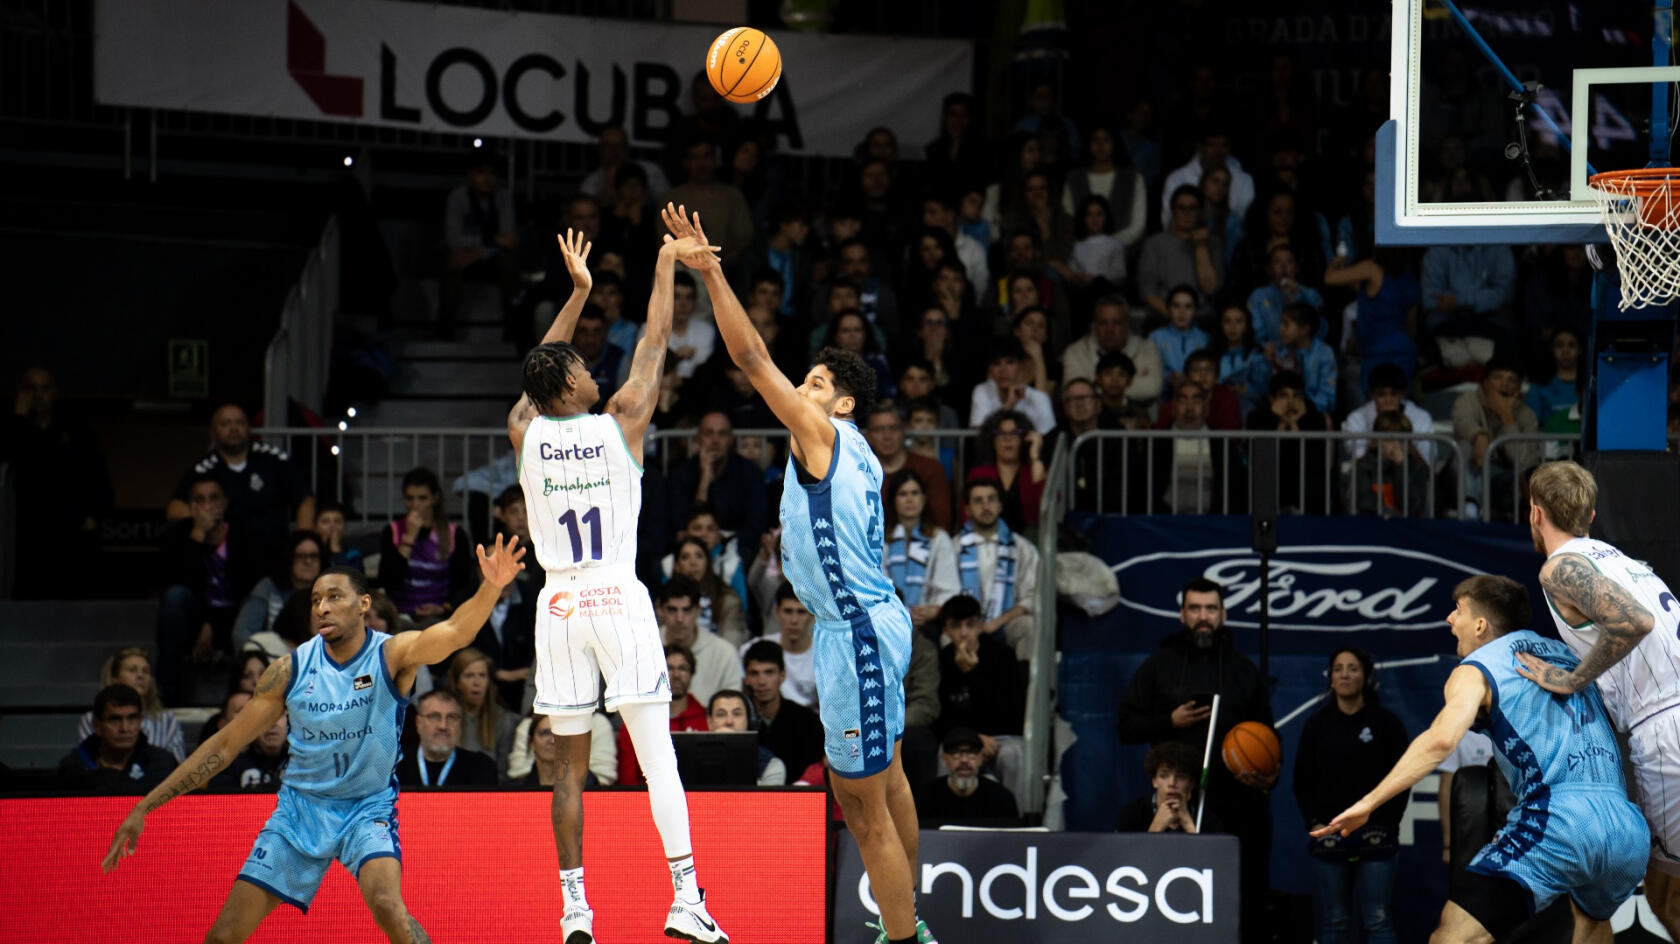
{"x":683,"y":882}
{"x":650,"y":731}
{"x":571,"y":890}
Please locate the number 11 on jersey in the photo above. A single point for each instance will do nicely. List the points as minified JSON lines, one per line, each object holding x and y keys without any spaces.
{"x":592,"y":517}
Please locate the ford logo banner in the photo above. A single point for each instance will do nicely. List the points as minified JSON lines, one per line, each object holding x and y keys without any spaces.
{"x":1329,"y":574}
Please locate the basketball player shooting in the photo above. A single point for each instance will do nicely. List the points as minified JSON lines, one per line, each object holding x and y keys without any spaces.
{"x":582,"y":478}
{"x":1605,"y":605}
{"x":343,"y":694}
{"x":831,"y":553}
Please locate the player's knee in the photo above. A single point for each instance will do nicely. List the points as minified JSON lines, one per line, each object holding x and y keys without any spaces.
{"x":387,"y":908}
{"x":222,"y":932}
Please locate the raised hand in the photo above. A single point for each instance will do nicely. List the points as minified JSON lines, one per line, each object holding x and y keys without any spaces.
{"x":701,"y":254}
{"x":501,"y":565}
{"x":574,"y":249}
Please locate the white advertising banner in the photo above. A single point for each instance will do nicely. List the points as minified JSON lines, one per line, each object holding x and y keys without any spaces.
{"x":483,"y":72}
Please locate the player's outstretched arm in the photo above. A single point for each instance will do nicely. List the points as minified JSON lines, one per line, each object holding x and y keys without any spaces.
{"x":633,"y":405}
{"x":574,"y":249}
{"x":1622,"y":623}
{"x":438,"y":641}
{"x":212,"y":757}
{"x":813,"y":435}
{"x":1466,"y":692}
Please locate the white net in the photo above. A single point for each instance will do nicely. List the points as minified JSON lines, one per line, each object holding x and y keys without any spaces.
{"x":1641,"y":211}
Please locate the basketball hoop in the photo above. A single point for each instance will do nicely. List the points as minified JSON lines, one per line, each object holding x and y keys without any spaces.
{"x":1641,"y":211}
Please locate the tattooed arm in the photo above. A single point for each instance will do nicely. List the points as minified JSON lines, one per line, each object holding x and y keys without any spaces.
{"x":1577,"y":588}
{"x":212,"y":757}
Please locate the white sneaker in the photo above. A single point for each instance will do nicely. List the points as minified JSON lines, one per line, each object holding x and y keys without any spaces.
{"x":692,"y":923}
{"x":578,"y":927}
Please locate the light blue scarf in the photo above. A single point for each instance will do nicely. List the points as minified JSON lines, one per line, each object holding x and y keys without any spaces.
{"x":907,"y":560}
{"x":1001,"y":596}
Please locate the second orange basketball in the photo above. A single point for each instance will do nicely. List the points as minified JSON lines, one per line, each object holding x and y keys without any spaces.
{"x":1252,"y":748}
{"x":743,"y":64}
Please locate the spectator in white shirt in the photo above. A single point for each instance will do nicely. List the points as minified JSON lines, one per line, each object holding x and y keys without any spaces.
{"x":1098,"y":255}
{"x":1111,"y":333}
{"x":1003,"y":389}
{"x":794,"y":635}
{"x":692,"y":339}
{"x":939,"y":211}
{"x":1120,"y":185}
{"x":1214,"y":151}
{"x":716,"y":666}
{"x":1388,"y":392}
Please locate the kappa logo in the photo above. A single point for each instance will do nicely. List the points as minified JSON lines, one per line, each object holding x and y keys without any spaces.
{"x":361,"y":682}
{"x":561,"y":605}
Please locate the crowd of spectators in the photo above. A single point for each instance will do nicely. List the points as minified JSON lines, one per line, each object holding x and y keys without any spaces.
{"x":1089,"y":272}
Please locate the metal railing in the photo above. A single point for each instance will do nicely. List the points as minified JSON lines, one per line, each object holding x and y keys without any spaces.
{"x":362,"y":468}
{"x":1122,"y":471}
{"x":1553,"y":446}
{"x":299,"y":356}
{"x":1036,"y":738}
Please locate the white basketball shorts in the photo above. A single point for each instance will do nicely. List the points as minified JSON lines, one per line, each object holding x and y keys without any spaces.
{"x":592,"y":623}
{"x":1654,"y":748}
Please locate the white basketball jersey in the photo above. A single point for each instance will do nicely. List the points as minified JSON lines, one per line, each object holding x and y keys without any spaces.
{"x":583,"y":491}
{"x":1646,"y":680}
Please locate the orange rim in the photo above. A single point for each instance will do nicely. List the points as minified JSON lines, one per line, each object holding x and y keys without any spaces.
{"x":1641,"y":181}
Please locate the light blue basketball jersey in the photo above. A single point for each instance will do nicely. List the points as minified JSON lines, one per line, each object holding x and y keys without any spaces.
{"x":1545,"y":741}
{"x":1572,"y":830}
{"x":831,"y":531}
{"x":344,"y":722}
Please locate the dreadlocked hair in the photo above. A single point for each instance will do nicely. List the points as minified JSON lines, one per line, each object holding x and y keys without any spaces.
{"x":852,"y":378}
{"x":548,"y":373}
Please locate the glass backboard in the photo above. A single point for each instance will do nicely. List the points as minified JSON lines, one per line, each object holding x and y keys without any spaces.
{"x":1596,"y":87}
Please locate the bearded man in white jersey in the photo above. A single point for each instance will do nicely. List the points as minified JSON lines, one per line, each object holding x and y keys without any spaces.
{"x":581,"y":474}
{"x":1606,"y":606}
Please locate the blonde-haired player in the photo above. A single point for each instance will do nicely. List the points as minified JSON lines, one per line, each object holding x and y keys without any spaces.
{"x":1621,"y":619}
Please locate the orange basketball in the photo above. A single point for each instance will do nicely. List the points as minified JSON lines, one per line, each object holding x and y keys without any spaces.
{"x":743,"y":64}
{"x":1252,"y":748}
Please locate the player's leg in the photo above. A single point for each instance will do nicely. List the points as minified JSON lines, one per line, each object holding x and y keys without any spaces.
{"x":1459,"y":927}
{"x":287,"y":862}
{"x":381,"y":883}
{"x":245,"y":908}
{"x":1483,"y":908}
{"x":1589,"y":930}
{"x":870,"y":821}
{"x":649,"y":725}
{"x":571,"y":740}
{"x":1653,"y":748}
{"x":1662,"y":893}
{"x":901,"y":805}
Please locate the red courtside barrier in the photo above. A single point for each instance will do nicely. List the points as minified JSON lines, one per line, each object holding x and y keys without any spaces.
{"x":477,"y":867}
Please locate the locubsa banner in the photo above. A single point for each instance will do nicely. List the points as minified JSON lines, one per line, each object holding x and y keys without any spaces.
{"x":433,"y":67}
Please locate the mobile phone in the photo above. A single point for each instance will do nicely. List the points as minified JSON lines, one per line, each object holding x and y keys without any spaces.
{"x":1202,"y":699}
